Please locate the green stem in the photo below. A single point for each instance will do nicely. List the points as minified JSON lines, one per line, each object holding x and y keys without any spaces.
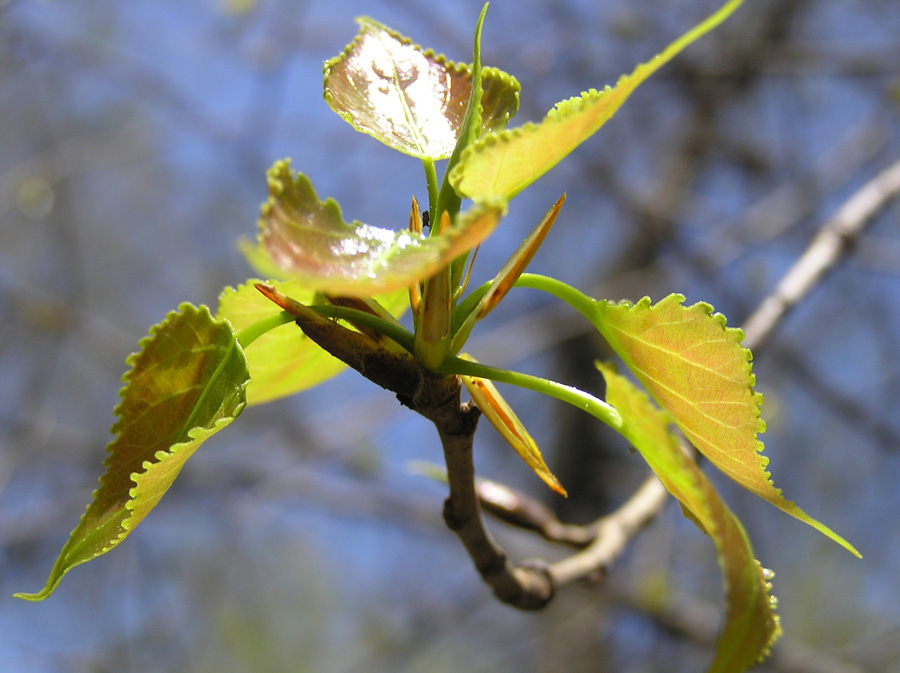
{"x":391,"y":330}
{"x":577,"y":398}
{"x":432,"y":180}
{"x":432,"y":338}
{"x":574,"y":298}
{"x":250,"y":334}
{"x":467,"y":305}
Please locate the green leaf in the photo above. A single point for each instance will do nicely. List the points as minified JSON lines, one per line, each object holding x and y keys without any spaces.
{"x":307,"y":240}
{"x":410,"y":99}
{"x":185,"y":384}
{"x":500,"y":165}
{"x":751,"y":625}
{"x":284,"y":361}
{"x":694,"y":366}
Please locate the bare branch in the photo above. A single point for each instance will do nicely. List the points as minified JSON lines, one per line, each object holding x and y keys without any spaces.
{"x":833,"y":240}
{"x":613,"y":533}
{"x":437,"y":398}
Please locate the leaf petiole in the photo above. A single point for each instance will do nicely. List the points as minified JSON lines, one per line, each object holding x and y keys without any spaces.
{"x":574,"y":396}
{"x":250,"y":334}
{"x":574,"y":298}
{"x":432,"y":180}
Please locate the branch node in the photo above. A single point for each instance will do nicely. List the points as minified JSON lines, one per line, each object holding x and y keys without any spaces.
{"x":453,"y":522}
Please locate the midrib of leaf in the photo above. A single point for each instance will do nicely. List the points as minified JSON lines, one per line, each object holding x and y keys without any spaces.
{"x":189,"y":423}
{"x":407,"y":110}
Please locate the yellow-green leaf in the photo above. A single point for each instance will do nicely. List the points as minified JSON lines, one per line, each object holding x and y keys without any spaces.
{"x":751,"y":625}
{"x":694,"y":366}
{"x":185,"y":384}
{"x":408,"y":98}
{"x":500,"y":165}
{"x":284,"y":361}
{"x":307,"y":240}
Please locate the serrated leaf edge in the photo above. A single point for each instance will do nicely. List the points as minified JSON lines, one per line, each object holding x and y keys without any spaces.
{"x":54,"y":579}
{"x":773,"y":494}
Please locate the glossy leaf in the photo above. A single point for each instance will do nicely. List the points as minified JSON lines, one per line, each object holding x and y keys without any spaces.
{"x":186,"y":383}
{"x":408,"y":98}
{"x":751,"y":625}
{"x":307,"y":240}
{"x":491,"y":403}
{"x":695,"y":366}
{"x":500,"y":165}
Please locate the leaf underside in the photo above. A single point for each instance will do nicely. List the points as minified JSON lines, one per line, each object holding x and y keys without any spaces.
{"x":502,"y":164}
{"x":694,"y":366}
{"x":307,"y":240}
{"x":411,"y":99}
{"x":751,"y":625}
{"x":185,"y":384}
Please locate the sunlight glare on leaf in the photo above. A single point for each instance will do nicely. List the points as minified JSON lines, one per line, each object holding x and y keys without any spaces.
{"x":307,"y":240}
{"x":408,"y":98}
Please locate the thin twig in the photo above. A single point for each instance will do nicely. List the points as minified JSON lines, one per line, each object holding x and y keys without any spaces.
{"x":613,"y":533}
{"x":835,"y":237}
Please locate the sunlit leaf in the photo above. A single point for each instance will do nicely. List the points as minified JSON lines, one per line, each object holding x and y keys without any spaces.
{"x":491,"y":403}
{"x":408,"y":98}
{"x":283,"y":361}
{"x":307,"y":240}
{"x":694,"y":366}
{"x":185,"y":384}
{"x":502,"y":164}
{"x":751,"y":625}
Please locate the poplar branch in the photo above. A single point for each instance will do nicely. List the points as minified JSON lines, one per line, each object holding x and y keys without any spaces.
{"x":437,"y":398}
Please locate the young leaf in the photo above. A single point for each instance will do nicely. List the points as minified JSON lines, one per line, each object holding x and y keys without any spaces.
{"x":694,"y":366}
{"x":751,"y":625}
{"x":186,"y":383}
{"x":307,"y":240}
{"x":410,"y":99}
{"x":500,"y":165}
{"x":283,"y":361}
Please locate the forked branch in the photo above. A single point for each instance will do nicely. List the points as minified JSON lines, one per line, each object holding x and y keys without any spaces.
{"x":437,"y":398}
